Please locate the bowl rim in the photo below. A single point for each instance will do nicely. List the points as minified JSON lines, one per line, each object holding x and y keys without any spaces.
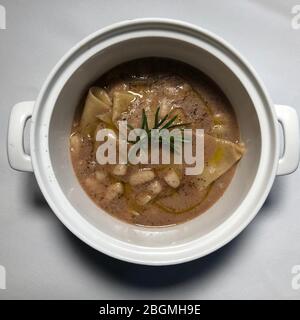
{"x":109,"y":245}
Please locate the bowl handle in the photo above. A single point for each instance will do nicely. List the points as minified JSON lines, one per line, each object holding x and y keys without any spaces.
{"x":288,"y":119}
{"x":18,"y":159}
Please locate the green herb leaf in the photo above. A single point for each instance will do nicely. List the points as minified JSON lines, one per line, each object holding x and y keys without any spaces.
{"x":156,"y":117}
{"x":179,"y":125}
{"x":161,"y":124}
{"x":161,"y":121}
{"x":168,"y":124}
{"x":145,"y":121}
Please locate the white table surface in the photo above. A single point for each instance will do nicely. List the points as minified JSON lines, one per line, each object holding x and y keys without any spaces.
{"x":44,"y":260}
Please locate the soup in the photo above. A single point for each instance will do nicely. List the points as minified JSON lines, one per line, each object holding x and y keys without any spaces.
{"x":155,"y":93}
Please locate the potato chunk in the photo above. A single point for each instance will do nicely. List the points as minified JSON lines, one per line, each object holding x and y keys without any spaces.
{"x":172,"y":178}
{"x":141,"y":177}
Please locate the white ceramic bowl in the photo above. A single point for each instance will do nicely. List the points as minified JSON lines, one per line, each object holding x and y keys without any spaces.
{"x":53,"y":111}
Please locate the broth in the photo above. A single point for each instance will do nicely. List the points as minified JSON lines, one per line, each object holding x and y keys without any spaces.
{"x":155,"y":195}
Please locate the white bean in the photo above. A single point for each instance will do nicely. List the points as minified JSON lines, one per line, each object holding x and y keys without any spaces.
{"x":100,"y":175}
{"x":120,"y":170}
{"x":143,"y":198}
{"x":141,"y":177}
{"x":172,"y":178}
{"x":155,"y":187}
{"x":114,"y":191}
{"x":91,"y":183}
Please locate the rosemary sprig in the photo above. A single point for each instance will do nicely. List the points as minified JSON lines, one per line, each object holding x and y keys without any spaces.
{"x":160,"y":125}
{"x":145,"y":125}
{"x":156,"y":121}
{"x":169,"y":123}
{"x":178,"y":125}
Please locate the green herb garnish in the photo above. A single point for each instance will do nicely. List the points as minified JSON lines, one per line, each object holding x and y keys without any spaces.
{"x":164,"y":123}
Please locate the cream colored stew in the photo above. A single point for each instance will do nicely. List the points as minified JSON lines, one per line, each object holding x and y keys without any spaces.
{"x":155,"y":195}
